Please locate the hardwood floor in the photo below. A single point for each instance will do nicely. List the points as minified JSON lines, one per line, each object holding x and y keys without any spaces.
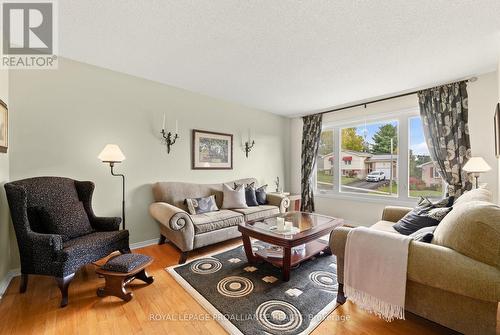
{"x":37,"y":311}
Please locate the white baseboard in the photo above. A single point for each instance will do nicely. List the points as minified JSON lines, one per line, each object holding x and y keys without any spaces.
{"x":5,"y":281}
{"x":143,"y":244}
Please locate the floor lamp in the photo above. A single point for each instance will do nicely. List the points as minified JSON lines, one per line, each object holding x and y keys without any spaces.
{"x":112,"y":154}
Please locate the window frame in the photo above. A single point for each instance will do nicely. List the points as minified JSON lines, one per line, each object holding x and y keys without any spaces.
{"x":402,"y":167}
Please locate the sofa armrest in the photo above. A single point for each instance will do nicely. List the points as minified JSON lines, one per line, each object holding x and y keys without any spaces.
{"x":395,"y":213}
{"x":338,"y":239}
{"x":170,"y":216}
{"x":446,"y":269}
{"x":279,"y":200}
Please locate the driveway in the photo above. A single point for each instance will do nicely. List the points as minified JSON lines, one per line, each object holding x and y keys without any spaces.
{"x":369,"y":185}
{"x":362,"y":186}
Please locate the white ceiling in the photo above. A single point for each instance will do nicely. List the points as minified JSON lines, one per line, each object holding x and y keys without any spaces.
{"x":286,"y":57}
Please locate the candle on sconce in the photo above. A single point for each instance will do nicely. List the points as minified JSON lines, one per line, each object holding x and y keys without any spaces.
{"x":176,"y":126}
{"x":248,"y":135}
{"x":163,"y":125}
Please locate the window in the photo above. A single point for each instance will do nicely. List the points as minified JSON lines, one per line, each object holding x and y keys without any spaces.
{"x":325,"y":161}
{"x":369,"y":158}
{"x":378,"y":157}
{"x":424,"y":178}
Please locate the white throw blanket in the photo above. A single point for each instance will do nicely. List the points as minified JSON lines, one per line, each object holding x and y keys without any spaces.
{"x":375,"y":271}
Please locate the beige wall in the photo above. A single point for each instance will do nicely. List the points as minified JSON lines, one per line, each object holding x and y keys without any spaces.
{"x":4,"y":177}
{"x":62,"y":119}
{"x":483,"y":95}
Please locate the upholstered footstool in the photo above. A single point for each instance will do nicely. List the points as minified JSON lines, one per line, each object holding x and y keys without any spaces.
{"x":120,"y":271}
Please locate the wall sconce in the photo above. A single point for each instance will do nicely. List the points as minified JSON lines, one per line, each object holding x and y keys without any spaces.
{"x":169,"y":138}
{"x":248,"y":145}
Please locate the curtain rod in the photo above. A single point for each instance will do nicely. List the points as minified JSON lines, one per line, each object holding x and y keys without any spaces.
{"x":472,"y":79}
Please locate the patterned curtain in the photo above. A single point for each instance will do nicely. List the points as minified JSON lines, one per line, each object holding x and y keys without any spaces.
{"x":311,"y":133}
{"x":444,"y":114}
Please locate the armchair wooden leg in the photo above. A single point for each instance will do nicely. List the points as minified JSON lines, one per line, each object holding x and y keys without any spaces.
{"x":341,"y":298}
{"x":24,"y":283}
{"x":162,"y":240}
{"x":63,"y":284}
{"x":183,"y":258}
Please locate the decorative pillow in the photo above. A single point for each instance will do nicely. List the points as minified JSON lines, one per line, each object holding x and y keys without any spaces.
{"x":426,"y":214}
{"x":69,"y":221}
{"x":250,"y":196}
{"x":260,"y":194}
{"x":425,"y":234}
{"x":233,"y":198}
{"x":201,"y":205}
{"x":125,"y":263}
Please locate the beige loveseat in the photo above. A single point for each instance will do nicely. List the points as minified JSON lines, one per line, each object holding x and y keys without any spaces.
{"x":455,"y":280}
{"x":188,"y":231}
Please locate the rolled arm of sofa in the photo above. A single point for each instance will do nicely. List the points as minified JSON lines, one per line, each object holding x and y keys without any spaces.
{"x":395,"y":213}
{"x":338,"y":239}
{"x":446,"y":269}
{"x":176,"y":224}
{"x":170,"y":216}
{"x":279,"y":200}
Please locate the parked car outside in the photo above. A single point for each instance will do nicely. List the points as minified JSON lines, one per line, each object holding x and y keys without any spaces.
{"x":375,"y":176}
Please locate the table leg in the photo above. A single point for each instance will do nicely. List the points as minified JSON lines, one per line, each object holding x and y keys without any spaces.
{"x":287,"y":260}
{"x":115,"y":286}
{"x":247,"y":244}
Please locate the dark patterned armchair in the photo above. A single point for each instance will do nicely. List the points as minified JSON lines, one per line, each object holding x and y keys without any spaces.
{"x":57,"y":231}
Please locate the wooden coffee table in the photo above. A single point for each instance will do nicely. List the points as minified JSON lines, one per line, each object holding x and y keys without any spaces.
{"x":309,"y":228}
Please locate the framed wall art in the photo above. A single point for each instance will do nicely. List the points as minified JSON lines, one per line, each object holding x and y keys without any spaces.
{"x":212,"y":151}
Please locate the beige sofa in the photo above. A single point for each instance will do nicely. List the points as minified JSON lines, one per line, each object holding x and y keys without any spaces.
{"x":189,"y":232}
{"x":455,"y":280}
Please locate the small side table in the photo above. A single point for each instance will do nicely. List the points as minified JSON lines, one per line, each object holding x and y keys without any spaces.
{"x":295,"y":201}
{"x":115,"y":281}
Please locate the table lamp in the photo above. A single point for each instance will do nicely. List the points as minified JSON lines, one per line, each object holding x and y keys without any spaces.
{"x":476,"y":166}
{"x":112,"y":154}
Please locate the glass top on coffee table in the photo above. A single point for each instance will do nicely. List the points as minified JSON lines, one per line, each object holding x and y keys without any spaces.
{"x":303,"y":224}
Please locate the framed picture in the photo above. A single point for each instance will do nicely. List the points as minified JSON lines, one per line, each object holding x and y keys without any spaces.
{"x":212,"y":151}
{"x":4,"y":127}
{"x":496,"y":122}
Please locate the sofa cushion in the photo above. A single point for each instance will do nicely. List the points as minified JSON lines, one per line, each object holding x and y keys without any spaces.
{"x":425,"y":234}
{"x":201,"y":205}
{"x":261,"y":195}
{"x":250,"y":196}
{"x":258,"y":212}
{"x":234,"y":198}
{"x":210,"y":221}
{"x":87,"y":244}
{"x":384,"y":226}
{"x":477,"y":194}
{"x":426,"y":214}
{"x":69,"y":220}
{"x":472,"y":229}
{"x":175,"y":193}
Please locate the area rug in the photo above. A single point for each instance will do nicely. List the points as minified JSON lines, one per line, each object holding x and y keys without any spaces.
{"x":252,"y":299}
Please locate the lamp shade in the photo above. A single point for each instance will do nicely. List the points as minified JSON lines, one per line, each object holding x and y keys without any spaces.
{"x":476,"y":165}
{"x":111,"y":154}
